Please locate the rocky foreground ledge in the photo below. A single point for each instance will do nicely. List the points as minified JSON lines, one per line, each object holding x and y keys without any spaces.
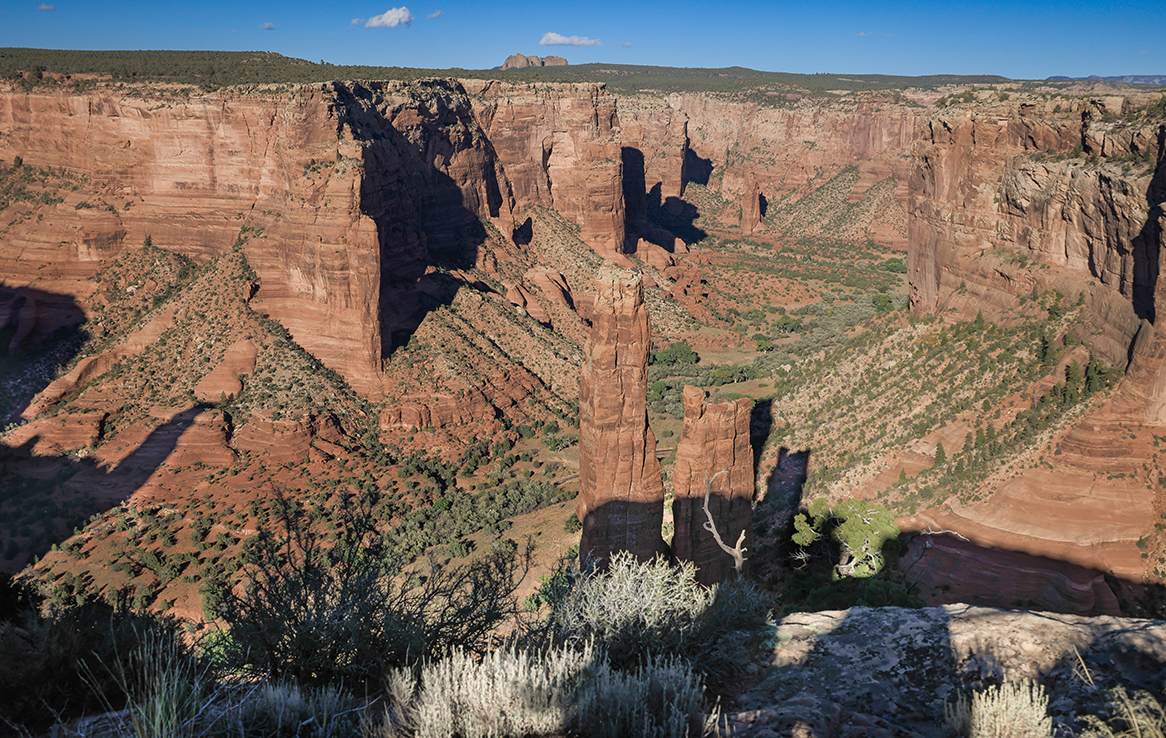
{"x":889,"y":671}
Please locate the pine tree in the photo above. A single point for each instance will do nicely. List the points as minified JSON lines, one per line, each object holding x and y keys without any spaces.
{"x":940,"y":454}
{"x":902,"y":476}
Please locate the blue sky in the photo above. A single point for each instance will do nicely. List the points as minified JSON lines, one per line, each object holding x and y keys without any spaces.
{"x":1020,"y":39}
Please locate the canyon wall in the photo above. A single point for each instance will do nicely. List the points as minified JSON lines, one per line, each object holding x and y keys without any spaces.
{"x":1008,"y":196}
{"x":764,"y":157}
{"x":342,"y":196}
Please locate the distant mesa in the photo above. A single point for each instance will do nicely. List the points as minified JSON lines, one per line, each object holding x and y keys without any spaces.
{"x":522,"y":61}
{"x":1129,"y":79}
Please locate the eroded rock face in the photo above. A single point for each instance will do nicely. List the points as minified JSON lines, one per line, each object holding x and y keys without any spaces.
{"x":714,"y":450}
{"x":522,"y":61}
{"x":348,"y":192}
{"x":794,"y":149}
{"x":225,"y":381}
{"x":621,"y":489}
{"x":997,"y":181}
{"x":560,"y":147}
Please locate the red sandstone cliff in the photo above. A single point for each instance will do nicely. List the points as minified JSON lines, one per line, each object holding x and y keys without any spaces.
{"x":999,"y":184}
{"x":744,"y":152}
{"x":621,"y":489}
{"x":1033,"y":194}
{"x":350,"y":192}
{"x":714,"y":441}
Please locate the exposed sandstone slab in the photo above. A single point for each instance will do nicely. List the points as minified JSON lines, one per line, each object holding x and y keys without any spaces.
{"x":225,"y":381}
{"x":877,"y":673}
{"x":59,"y":433}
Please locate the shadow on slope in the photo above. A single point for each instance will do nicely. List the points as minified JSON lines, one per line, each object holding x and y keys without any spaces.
{"x":39,"y":332}
{"x":44,"y":498}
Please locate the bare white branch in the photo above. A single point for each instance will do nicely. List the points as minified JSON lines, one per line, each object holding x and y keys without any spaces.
{"x":930,"y":532}
{"x":738,"y":552}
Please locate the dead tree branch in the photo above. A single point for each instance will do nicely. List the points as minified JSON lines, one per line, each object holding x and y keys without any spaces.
{"x":737,"y":552}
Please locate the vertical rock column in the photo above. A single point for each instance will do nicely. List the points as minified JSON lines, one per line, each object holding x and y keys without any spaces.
{"x":715,"y":438}
{"x":621,"y":488}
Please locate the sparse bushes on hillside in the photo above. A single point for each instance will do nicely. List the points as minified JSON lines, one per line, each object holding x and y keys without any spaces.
{"x":316,"y":614}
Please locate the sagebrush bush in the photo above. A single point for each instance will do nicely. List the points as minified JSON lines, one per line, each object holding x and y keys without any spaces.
{"x":286,"y":710}
{"x":1139,"y":716}
{"x":1009,"y":710}
{"x":661,"y":699}
{"x":506,"y":693}
{"x":559,"y":691}
{"x":636,"y":611}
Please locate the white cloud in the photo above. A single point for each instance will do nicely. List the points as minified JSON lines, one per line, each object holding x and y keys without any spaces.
{"x":438,"y":14}
{"x":391,"y":18}
{"x":45,"y":6}
{"x":1141,"y":52}
{"x":557,"y":39}
{"x":234,"y":31}
{"x":355,"y":22}
{"x":626,"y":45}
{"x":267,"y":26}
{"x":864,"y":33}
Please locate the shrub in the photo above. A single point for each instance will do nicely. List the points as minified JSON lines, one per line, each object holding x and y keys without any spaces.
{"x":1139,"y":716}
{"x":637,"y":612}
{"x":168,"y":688}
{"x":316,"y":615}
{"x":276,"y":710}
{"x":554,"y":692}
{"x":1009,"y":710}
{"x":506,"y":693}
{"x":661,"y":698}
{"x":42,"y":658}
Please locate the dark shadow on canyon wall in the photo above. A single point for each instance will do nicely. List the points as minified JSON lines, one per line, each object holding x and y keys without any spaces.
{"x":635,"y":187}
{"x":420,"y":212}
{"x":788,"y":478}
{"x":947,"y":569}
{"x":622,"y":525}
{"x":43,"y":498}
{"x":1148,"y":243}
{"x":696,"y":169}
{"x":762,"y":204}
{"x":760,"y":425}
{"x":524,"y":233}
{"x":39,"y":333}
{"x":675,"y":215}
{"x":651,"y":216}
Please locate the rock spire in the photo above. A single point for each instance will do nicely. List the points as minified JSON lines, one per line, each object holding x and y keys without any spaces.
{"x":621,"y":489}
{"x":714,"y":439}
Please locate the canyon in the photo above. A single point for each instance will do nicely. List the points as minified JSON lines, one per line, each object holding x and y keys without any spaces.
{"x":434,"y":244}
